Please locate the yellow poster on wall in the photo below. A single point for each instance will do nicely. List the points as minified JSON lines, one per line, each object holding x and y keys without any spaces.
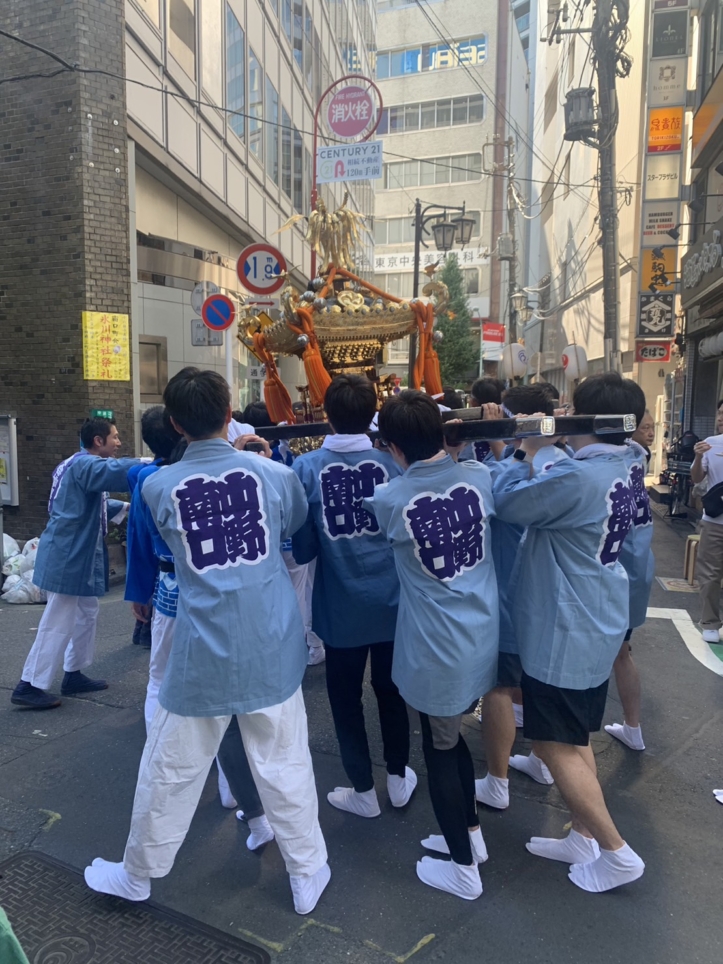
{"x":106,"y":347}
{"x":653,"y":269}
{"x":665,"y":129}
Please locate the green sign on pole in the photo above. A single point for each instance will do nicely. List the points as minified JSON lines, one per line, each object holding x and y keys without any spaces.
{"x":101,"y":413}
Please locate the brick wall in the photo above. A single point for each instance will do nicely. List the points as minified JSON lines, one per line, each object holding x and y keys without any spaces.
{"x":64,"y":245}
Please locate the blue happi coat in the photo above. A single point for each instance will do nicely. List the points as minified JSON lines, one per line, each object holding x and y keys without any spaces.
{"x":436,"y":518}
{"x":145,"y":549}
{"x":637,"y":555}
{"x":72,"y":557}
{"x":570,"y":609}
{"x":356,"y":590}
{"x":239,"y":639}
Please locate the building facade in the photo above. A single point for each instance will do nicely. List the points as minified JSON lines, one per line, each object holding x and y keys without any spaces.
{"x":452,"y":76}
{"x":125,"y":188}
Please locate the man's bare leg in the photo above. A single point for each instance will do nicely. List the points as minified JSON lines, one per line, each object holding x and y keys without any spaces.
{"x":498,"y":732}
{"x":627,"y":680}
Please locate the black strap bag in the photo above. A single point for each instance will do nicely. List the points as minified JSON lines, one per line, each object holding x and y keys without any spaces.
{"x":713,"y":501}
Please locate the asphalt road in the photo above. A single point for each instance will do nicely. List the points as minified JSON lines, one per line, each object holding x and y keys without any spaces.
{"x":67,"y":779}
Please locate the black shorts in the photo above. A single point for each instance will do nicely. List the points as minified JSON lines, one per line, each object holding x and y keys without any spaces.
{"x":554,"y":714}
{"x":509,"y":670}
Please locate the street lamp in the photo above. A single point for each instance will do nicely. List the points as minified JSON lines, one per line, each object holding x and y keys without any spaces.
{"x":518,"y":309}
{"x":446,"y":234}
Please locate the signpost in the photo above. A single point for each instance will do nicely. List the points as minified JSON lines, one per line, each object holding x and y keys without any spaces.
{"x":261,"y":269}
{"x":218,"y":313}
{"x":350,"y":112}
{"x":199,"y":294}
{"x":349,"y":162}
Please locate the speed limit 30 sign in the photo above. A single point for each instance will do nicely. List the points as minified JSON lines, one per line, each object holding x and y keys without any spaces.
{"x":261,"y":269}
{"x":655,"y":351}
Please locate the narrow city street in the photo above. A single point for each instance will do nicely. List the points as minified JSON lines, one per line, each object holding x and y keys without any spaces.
{"x":67,"y":778}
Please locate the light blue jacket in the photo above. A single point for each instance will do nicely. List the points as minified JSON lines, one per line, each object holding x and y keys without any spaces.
{"x":239,"y":639}
{"x":72,"y":558}
{"x":356,"y":590}
{"x":637,"y":555}
{"x":436,"y":518}
{"x":571,"y":598}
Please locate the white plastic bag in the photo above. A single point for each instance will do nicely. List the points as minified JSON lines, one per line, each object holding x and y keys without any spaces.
{"x":11,"y":582}
{"x":29,"y":558}
{"x":23,"y":592}
{"x":10,"y":547}
{"x":31,"y":546}
{"x":37,"y":594}
{"x":15,"y":566}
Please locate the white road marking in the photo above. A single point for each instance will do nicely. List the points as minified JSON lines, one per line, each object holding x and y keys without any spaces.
{"x":691,"y":637}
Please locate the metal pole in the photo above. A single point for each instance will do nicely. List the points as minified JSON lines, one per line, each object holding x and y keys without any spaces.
{"x":415,"y":286}
{"x":512,"y":270}
{"x":229,"y":338}
{"x":607,"y":195}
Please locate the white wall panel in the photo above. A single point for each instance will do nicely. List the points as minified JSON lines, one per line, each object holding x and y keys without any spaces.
{"x":212,"y":164}
{"x":182,"y":134}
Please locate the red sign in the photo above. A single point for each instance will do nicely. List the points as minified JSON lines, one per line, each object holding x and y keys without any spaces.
{"x":350,"y":112}
{"x":656,"y":351}
{"x":493,"y":332}
{"x":261,"y":268}
{"x":218,"y":312}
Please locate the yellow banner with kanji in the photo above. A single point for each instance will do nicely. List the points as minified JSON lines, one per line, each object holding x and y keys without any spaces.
{"x":106,"y":347}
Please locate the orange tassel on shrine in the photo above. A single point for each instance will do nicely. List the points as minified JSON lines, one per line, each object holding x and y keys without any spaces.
{"x":276,"y":396}
{"x":318,"y":377}
{"x":426,"y":365}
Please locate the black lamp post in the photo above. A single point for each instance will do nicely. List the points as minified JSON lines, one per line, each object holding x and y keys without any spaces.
{"x":446,"y":233}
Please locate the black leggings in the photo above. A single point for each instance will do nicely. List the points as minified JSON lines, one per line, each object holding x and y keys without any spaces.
{"x":235,"y":764}
{"x":450,"y":774}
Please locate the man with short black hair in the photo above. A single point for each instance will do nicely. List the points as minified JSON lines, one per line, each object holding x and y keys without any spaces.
{"x":238,"y":650}
{"x":356,"y":593}
{"x":486,"y":390}
{"x":436,"y":518}
{"x":72,"y":566}
{"x":570,"y":614}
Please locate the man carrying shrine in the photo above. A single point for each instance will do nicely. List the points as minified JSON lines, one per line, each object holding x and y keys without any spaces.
{"x":436,"y":518}
{"x":72,"y":566}
{"x":238,"y":650}
{"x":356,"y":593}
{"x":570,"y":615}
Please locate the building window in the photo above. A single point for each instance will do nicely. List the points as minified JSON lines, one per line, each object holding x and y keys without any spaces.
{"x":152,"y":10}
{"x":299,"y":33}
{"x":308,"y":59}
{"x":286,"y":18}
{"x":235,"y":73}
{"x":471,"y":280}
{"x":272,"y":132}
{"x":401,"y":230}
{"x":153,"y":367}
{"x":182,"y":33}
{"x":275,"y":6}
{"x":433,"y":170}
{"x":298,"y":172}
{"x":256,"y":106}
{"x":415,"y":60}
{"x":286,"y":160}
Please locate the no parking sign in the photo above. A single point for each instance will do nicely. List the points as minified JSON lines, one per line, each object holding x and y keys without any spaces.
{"x":218,"y":312}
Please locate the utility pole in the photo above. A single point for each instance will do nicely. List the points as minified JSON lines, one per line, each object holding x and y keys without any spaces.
{"x":604,"y":48}
{"x":497,"y":169}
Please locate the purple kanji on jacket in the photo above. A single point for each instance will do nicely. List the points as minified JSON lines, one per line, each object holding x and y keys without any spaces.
{"x":449,"y":530}
{"x":342,"y":489}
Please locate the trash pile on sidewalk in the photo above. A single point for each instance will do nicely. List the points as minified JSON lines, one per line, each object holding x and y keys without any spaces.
{"x":17,"y":569}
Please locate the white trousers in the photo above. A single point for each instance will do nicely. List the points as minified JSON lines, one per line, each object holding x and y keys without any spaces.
{"x":67,"y":629}
{"x":302,"y":579}
{"x":176,"y":760}
{"x":161,"y":640}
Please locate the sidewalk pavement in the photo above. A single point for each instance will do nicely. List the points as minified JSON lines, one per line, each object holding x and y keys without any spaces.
{"x":67,"y":779}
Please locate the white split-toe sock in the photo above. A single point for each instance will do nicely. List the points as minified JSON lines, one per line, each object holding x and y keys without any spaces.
{"x":718,"y":794}
{"x":308,"y":890}
{"x":261,"y":832}
{"x":573,"y":849}
{"x":493,"y":791}
{"x":454,"y":878}
{"x":438,"y":844}
{"x":533,"y":766}
{"x":109,"y":878}
{"x":362,"y":804}
{"x":519,"y":712}
{"x":611,"y":869}
{"x":631,"y":736}
{"x":400,"y":789}
{"x":224,"y":790}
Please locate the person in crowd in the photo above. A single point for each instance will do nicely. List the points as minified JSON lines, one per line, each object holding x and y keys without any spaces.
{"x":485,"y":392}
{"x":644,"y":434}
{"x":570,"y":618}
{"x":356,"y":593}
{"x":486,"y":389}
{"x":501,"y":710}
{"x":238,"y":650}
{"x":708,"y":464}
{"x":436,"y":518}
{"x":637,"y":560}
{"x":72,"y":566}
{"x":452,"y":399}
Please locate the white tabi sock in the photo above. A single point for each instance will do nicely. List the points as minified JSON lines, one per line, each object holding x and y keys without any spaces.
{"x":400,"y":789}
{"x":573,"y":849}
{"x":631,"y":736}
{"x":308,"y":890}
{"x":224,"y":790}
{"x":519,"y":715}
{"x":533,"y":766}
{"x":110,"y":878}
{"x":493,"y":791}
{"x":611,"y":869}
{"x":454,"y":878}
{"x":718,"y":794}
{"x":261,"y":832}
{"x":362,"y":804}
{"x":438,"y":844}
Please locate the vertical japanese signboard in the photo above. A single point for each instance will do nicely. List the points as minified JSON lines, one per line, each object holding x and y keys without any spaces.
{"x":106,"y":347}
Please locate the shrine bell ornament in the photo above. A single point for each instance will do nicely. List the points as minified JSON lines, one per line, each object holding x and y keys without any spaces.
{"x":514,"y":360}
{"x":574,"y":362}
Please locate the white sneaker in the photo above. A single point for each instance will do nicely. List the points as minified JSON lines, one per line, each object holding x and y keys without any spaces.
{"x":711,"y":635}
